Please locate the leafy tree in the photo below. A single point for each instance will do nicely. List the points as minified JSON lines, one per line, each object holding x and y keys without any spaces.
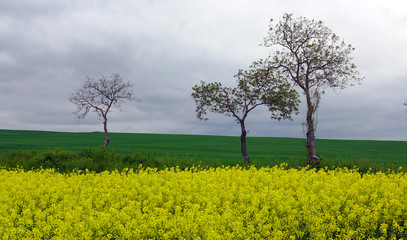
{"x":313,"y":58}
{"x":255,"y":87}
{"x":100,"y":96}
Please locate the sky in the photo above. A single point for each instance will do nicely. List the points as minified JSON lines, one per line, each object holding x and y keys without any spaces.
{"x":164,"y":48}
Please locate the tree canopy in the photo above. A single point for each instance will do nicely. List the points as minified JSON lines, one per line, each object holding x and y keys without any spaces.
{"x":100,"y":96}
{"x":255,"y":87}
{"x":311,"y":56}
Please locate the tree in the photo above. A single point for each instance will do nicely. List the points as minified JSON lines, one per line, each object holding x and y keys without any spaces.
{"x":313,"y":58}
{"x":255,"y":87}
{"x":100,"y":96}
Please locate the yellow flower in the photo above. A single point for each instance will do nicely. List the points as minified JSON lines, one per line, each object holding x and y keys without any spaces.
{"x":215,"y":203}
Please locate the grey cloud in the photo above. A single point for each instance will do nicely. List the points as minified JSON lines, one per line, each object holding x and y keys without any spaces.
{"x":166,"y":47}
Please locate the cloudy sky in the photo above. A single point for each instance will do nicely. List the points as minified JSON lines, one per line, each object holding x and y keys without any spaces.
{"x":164,"y":48}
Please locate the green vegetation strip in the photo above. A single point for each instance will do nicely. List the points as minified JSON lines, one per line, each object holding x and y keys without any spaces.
{"x":262,"y":150}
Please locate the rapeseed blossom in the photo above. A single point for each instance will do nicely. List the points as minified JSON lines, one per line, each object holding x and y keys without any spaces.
{"x":215,"y":203}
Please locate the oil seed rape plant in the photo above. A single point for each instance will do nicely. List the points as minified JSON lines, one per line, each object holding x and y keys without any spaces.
{"x":215,"y":203}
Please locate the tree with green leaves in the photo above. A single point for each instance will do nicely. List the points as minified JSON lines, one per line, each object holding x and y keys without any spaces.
{"x":255,"y":87}
{"x":101,"y":96}
{"x":311,"y":56}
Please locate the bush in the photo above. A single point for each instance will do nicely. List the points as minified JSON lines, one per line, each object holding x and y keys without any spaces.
{"x":59,"y":159}
{"x":96,"y":160}
{"x":18,"y":158}
{"x":99,"y":160}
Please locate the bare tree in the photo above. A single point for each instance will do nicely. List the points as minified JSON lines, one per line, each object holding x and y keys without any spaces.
{"x":255,"y":87}
{"x":313,"y":58}
{"x":100,"y":96}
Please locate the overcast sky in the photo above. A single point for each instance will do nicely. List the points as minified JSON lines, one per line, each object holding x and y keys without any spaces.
{"x":164,"y":48}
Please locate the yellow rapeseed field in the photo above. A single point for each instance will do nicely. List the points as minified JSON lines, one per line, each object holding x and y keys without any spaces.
{"x":217,"y":203}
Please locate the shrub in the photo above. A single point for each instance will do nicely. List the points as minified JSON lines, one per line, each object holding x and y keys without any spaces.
{"x":99,"y":160}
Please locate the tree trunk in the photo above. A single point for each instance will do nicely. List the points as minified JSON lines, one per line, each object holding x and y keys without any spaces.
{"x":243,"y":142}
{"x":311,"y":145}
{"x":107,"y":138}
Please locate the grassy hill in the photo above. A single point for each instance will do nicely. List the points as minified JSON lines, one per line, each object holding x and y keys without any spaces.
{"x":202,"y":147}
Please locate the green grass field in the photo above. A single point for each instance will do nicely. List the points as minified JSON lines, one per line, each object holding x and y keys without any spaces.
{"x":201,"y":147}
